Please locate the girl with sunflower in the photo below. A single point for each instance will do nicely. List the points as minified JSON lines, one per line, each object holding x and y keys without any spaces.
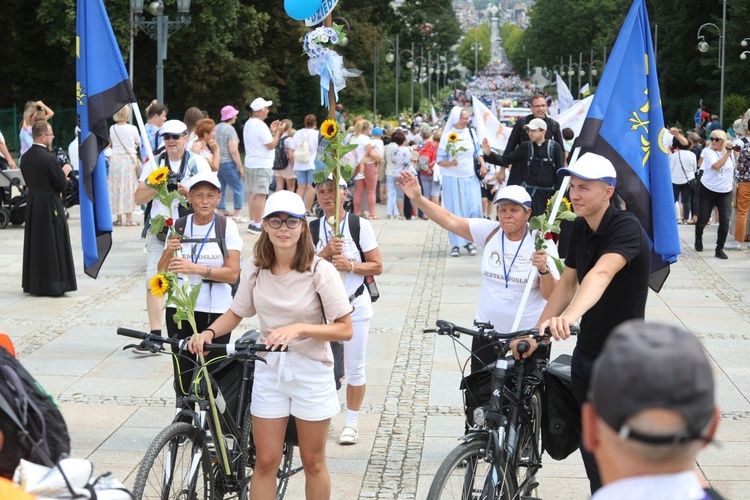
{"x":462,"y":193}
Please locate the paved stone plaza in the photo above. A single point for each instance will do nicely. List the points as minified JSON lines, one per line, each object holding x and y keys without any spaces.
{"x":115,"y":401}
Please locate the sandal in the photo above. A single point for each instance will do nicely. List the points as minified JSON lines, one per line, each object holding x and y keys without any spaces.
{"x":132,"y":223}
{"x":117,"y":223}
{"x":373,"y":217}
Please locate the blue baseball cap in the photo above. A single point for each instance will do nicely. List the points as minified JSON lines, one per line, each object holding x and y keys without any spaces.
{"x":377,"y":131}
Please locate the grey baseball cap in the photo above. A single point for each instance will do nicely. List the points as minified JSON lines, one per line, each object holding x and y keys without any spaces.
{"x":647,"y":365}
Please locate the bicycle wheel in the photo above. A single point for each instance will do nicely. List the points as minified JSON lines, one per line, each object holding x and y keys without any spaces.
{"x":247,"y":448}
{"x":165,"y":469}
{"x":464,"y":474}
{"x":529,"y":446}
{"x":286,"y":467}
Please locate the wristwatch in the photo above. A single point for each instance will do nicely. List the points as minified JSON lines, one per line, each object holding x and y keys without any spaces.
{"x":545,"y":272}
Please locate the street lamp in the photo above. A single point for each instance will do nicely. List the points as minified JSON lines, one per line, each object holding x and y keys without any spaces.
{"x":703,"y":47}
{"x":743,"y":56}
{"x":159,"y":29}
{"x":477,"y":47}
{"x":390,"y":58}
{"x":421,"y":62}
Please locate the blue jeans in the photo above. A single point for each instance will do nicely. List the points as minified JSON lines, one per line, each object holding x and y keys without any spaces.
{"x":229,"y":177}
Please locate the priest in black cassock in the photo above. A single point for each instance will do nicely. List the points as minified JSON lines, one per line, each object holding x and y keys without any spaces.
{"x":47,"y":257}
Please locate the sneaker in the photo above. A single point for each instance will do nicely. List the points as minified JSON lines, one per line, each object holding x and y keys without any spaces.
{"x":733,"y":245}
{"x":720,"y":254}
{"x":470,"y":248}
{"x":698,"y":244}
{"x":454,"y":252}
{"x":239,"y":219}
{"x":252,"y":228}
{"x":138,"y":212}
{"x":359,"y":177}
{"x":349,"y":436}
{"x":144,"y":348}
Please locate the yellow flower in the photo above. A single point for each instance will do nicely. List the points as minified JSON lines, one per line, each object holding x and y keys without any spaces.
{"x":565,"y":205}
{"x":453,"y":137}
{"x":158,"y":176}
{"x":159,"y":284}
{"x":329,"y":129}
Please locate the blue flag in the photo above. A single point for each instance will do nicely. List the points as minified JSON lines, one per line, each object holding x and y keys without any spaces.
{"x":625,"y":124}
{"x":102,"y":89}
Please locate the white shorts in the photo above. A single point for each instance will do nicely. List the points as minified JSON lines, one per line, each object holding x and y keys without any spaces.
{"x":154,"y":250}
{"x":292,"y":384}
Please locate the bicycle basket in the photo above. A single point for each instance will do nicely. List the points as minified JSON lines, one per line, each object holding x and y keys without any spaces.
{"x":561,"y":415}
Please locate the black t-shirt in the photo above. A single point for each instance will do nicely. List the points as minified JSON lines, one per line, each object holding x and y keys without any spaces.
{"x":620,"y":232}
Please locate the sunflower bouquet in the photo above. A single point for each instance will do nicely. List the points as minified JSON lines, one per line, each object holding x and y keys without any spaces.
{"x":452,"y":147}
{"x":545,"y":227}
{"x":157,"y":180}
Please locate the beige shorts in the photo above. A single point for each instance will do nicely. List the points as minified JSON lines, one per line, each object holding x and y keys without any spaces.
{"x":259,"y":180}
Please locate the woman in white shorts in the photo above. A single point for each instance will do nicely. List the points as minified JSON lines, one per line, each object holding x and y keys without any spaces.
{"x":290,"y":289}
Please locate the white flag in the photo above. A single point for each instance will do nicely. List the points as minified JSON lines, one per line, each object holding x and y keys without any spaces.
{"x":493,"y":108}
{"x":434,"y":116}
{"x":585,"y":90}
{"x":574,"y":116}
{"x":489,"y":126}
{"x":564,"y":97}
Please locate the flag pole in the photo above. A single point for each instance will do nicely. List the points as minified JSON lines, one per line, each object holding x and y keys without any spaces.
{"x":534,"y":270}
{"x":328,"y":22}
{"x":142,"y":128}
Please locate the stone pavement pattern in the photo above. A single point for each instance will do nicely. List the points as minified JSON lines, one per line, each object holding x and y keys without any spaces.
{"x":115,"y":402}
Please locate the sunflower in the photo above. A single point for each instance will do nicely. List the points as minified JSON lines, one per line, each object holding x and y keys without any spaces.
{"x":565,"y":205}
{"x":158,"y":176}
{"x":453,"y":137}
{"x":159,"y":284}
{"x":329,"y":129}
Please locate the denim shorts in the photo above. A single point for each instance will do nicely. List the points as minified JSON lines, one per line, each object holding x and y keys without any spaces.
{"x":304,"y":176}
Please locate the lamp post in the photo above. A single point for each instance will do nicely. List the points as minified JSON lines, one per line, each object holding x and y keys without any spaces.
{"x":477,"y":47}
{"x":390,"y":58}
{"x":744,"y":54}
{"x":160,"y":29}
{"x":572,"y":72}
{"x":703,"y":47}
{"x":422,"y":62}
{"x":592,"y":68}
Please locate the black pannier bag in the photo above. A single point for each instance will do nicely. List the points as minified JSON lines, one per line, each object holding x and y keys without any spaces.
{"x":561,"y":415}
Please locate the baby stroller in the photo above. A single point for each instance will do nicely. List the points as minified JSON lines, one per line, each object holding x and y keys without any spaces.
{"x":12,"y":208}
{"x":70,"y":196}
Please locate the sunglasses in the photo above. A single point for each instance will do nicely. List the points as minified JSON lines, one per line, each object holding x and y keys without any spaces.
{"x":170,"y":137}
{"x":276,"y":222}
{"x":716,"y":139}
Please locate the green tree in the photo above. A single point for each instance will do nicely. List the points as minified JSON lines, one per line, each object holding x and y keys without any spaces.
{"x":467,"y":51}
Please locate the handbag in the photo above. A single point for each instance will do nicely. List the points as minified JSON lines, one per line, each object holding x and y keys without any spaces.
{"x":477,"y":166}
{"x":138,"y":164}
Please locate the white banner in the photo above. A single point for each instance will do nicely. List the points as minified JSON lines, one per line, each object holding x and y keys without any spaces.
{"x":574,"y":116}
{"x":564,"y":97}
{"x":322,"y":12}
{"x":433,"y":115}
{"x":489,"y":126}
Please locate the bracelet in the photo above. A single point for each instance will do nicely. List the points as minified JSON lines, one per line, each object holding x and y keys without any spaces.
{"x":351,"y":271}
{"x":545,"y":272}
{"x":208,"y":271}
{"x":212,"y":331}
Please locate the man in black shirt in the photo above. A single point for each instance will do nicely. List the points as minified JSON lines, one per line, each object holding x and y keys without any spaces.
{"x":520,"y":135}
{"x":605,"y":281}
{"x":535,"y":164}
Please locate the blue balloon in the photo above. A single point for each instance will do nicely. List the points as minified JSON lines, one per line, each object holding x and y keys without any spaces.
{"x":301,"y":9}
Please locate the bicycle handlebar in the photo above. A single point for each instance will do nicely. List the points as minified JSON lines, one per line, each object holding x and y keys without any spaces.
{"x":452,"y":330}
{"x":237,"y":348}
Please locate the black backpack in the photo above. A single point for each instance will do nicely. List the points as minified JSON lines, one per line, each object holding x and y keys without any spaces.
{"x":33,"y":427}
{"x":280,"y":160}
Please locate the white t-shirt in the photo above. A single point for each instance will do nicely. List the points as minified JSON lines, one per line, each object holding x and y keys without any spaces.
{"x":498,"y":302}
{"x":377,"y":145}
{"x":2,"y":140}
{"x":201,"y":165}
{"x":401,"y":158}
{"x":256,"y":135}
{"x":125,"y":139}
{"x":388,"y":157}
{"x":214,"y":297}
{"x":682,"y":164}
{"x":312,"y":139}
{"x":73,"y":154}
{"x":362,"y":141}
{"x":718,"y":181}
{"x":362,"y":304}
{"x":465,"y":158}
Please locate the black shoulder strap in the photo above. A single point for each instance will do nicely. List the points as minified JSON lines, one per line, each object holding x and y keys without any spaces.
{"x":179,"y":225}
{"x":315,"y":232}
{"x":531,"y":153}
{"x":220,"y":231}
{"x":354,"y":229}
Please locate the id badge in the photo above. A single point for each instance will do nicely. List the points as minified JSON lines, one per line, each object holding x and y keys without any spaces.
{"x":506,"y":294}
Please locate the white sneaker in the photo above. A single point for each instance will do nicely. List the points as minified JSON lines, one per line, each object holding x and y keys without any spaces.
{"x":349,"y":436}
{"x":733,"y":245}
{"x":359,"y":177}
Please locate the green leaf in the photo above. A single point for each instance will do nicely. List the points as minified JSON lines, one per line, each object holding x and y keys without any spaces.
{"x":157,"y":224}
{"x":568,"y":216}
{"x":319,"y":176}
{"x":193,"y":297}
{"x":537,"y":222}
{"x":347,"y":171}
{"x":558,"y":264}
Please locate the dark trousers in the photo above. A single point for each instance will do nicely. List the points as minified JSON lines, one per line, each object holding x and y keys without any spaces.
{"x":183,"y":374}
{"x":708,"y":200}
{"x":688,"y":202}
{"x":580,"y":374}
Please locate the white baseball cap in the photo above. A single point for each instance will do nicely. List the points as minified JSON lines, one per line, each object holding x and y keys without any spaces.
{"x":516,"y":194}
{"x":260,"y":103}
{"x":285,"y":202}
{"x":173,"y":127}
{"x":207,"y":177}
{"x":592,"y":167}
{"x":536,"y":124}
{"x":342,"y":181}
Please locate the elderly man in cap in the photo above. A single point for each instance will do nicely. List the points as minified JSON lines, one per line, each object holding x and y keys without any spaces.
{"x":605,"y":281}
{"x":260,"y":141}
{"x":183,"y":165}
{"x":651,"y":409}
{"x":536,"y":163}
{"x":230,"y":163}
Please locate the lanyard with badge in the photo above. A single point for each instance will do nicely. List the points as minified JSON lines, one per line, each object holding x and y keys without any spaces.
{"x":195,"y":256}
{"x":325,"y":228}
{"x":506,"y":271}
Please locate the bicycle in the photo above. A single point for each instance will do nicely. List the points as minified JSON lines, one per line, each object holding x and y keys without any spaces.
{"x":501,"y":453}
{"x":184,"y":461}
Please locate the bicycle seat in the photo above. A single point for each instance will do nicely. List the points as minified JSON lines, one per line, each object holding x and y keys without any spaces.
{"x":249,"y":337}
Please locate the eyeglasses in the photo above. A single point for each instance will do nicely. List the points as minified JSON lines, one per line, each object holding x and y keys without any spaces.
{"x":716,"y":139}
{"x":170,"y":137}
{"x":276,"y":222}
